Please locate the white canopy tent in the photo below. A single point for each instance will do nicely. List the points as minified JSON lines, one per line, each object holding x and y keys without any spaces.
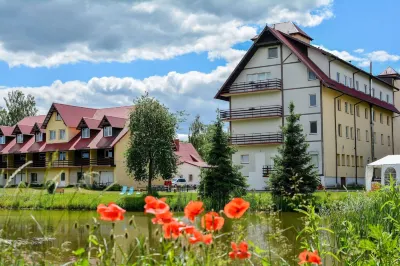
{"x":389,"y":165}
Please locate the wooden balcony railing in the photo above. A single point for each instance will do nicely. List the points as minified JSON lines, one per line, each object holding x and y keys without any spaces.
{"x":267,"y":169}
{"x":254,"y":86}
{"x":252,"y":112}
{"x":256,"y":138}
{"x":82,"y":162}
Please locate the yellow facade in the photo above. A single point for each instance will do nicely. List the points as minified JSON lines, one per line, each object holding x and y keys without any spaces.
{"x":57,"y":125}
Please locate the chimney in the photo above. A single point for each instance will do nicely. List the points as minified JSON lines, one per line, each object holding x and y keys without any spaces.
{"x":176,"y":142}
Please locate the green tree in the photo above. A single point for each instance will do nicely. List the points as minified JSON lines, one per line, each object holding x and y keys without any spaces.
{"x":150,"y":153}
{"x":222,"y":180}
{"x":18,"y":106}
{"x":197,"y":135}
{"x":294,"y":172}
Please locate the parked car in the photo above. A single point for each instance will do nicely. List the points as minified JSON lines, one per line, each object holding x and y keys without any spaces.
{"x":179,"y":182}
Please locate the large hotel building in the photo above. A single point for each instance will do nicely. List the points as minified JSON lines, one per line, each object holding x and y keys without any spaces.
{"x":348,"y":114}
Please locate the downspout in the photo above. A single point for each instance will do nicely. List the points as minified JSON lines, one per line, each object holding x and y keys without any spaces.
{"x":322,"y":130}
{"x":329,"y":66}
{"x":336,"y":132}
{"x":354,"y":81}
{"x":355,"y":139}
{"x":283,"y":109}
{"x":371,"y":110}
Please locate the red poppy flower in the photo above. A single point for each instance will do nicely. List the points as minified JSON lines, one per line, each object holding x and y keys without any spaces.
{"x":163,"y":218}
{"x":188,"y":229}
{"x":173,"y":229}
{"x":199,"y":237}
{"x":193,"y":209}
{"x":236,"y":208}
{"x":212,"y":221}
{"x":240,"y":252}
{"x":112,"y":212}
{"x":309,"y":257}
{"x":155,"y":206}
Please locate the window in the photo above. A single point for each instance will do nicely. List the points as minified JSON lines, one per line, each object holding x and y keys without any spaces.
{"x":85,"y":133}
{"x":85,"y":155}
{"x":358,"y":134}
{"x":311,"y":75}
{"x":361,"y":161}
{"x":347,"y":132}
{"x":20,"y":138}
{"x":33,"y":177}
{"x":258,"y":76}
{"x":388,"y":120}
{"x":58,"y":117}
{"x":338,"y":159}
{"x":351,"y":133}
{"x":390,"y":173}
{"x":273,"y":52}
{"x":339,"y":105}
{"x":382,"y":139}
{"x":380,"y":95}
{"x":389,"y":141}
{"x":357,"y":85}
{"x":351,"y":83}
{"x":2,"y":140}
{"x":358,"y":111}
{"x":340,"y":130}
{"x":338,"y":77}
{"x":62,"y":134}
{"x":366,"y":136}
{"x":4,"y":158}
{"x":351,"y":109}
{"x":343,"y":160}
{"x":346,"y":107}
{"x":62,"y":177}
{"x":348,"y":160}
{"x":52,"y":134}
{"x":374,"y":140}
{"x":373,"y":115}
{"x":39,"y":137}
{"x":352,"y":161}
{"x":190,"y":178}
{"x":313,"y":100}
{"x":244,"y":159}
{"x":366,"y":113}
{"x":313,"y":127}
{"x":387,"y":98}
{"x":5,"y":176}
{"x":365,"y":88}
{"x":381,"y":118}
{"x":62,"y":156}
{"x":108,"y":153}
{"x":107,"y":131}
{"x":345,"y":80}
{"x":373,"y":92}
{"x":314,"y":159}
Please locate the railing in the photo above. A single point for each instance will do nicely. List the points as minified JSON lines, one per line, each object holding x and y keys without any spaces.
{"x":102,"y":161}
{"x":252,"y":112}
{"x":18,"y":163}
{"x":82,"y":162}
{"x":252,"y":86}
{"x":267,"y":169}
{"x":38,"y":163}
{"x":256,"y":138}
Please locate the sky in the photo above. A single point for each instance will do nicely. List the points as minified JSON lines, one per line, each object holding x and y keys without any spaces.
{"x":103,"y":53}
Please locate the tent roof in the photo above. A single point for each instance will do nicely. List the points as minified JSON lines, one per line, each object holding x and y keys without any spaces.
{"x":390,"y":159}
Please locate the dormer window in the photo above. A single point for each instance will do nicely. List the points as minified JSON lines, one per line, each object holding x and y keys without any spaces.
{"x":20,"y":138}
{"x":107,"y":131}
{"x":58,"y":117}
{"x":39,"y":137}
{"x":85,"y":133}
{"x":2,"y":139}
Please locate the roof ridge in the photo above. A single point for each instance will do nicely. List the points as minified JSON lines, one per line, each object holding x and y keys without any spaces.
{"x":75,"y":106}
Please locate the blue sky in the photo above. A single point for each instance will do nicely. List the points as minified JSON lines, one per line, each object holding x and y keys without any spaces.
{"x":106,"y":53}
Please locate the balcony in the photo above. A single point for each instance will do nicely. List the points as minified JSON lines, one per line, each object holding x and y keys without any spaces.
{"x":251,"y":113}
{"x":256,"y":139}
{"x":3,"y":165}
{"x":267,"y":170}
{"x":253,"y":87}
{"x":82,"y":162}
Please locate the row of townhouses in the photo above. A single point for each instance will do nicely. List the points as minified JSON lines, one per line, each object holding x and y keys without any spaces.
{"x":71,"y":141}
{"x":348,"y":114}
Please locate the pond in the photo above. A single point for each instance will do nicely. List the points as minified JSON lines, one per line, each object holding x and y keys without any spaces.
{"x":39,"y":231}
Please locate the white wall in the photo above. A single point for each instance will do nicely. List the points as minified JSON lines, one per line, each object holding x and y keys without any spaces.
{"x":186,"y":169}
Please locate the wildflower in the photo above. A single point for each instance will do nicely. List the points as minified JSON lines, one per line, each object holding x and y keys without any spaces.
{"x":188,"y":229}
{"x":112,"y":212}
{"x":193,"y":209}
{"x":212,"y":221}
{"x":240,"y":252}
{"x":173,"y":229}
{"x":199,"y":237}
{"x":236,"y":208}
{"x":309,"y":257}
{"x":155,"y":206}
{"x":163,"y":218}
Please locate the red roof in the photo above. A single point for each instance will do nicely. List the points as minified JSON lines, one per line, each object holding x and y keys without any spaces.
{"x":116,"y":122}
{"x":31,"y":120}
{"x":122,"y":111}
{"x":91,"y":123}
{"x":22,"y":129}
{"x":188,"y":154}
{"x":6,"y":131}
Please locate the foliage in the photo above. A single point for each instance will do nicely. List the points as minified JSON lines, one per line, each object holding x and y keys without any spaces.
{"x":18,"y":106}
{"x":294,"y":175}
{"x":50,"y":186}
{"x":222,"y":180}
{"x":197,"y":135}
{"x":150,"y":153}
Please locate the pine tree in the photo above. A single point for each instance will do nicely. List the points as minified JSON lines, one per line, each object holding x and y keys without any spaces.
{"x":222,"y":180}
{"x":293,"y":173}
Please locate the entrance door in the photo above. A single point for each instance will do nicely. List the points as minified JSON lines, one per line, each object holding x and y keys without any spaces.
{"x":106,"y":178}
{"x":343,"y":181}
{"x":62,"y":180}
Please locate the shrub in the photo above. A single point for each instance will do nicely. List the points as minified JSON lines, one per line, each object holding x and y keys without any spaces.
{"x":50,"y":186}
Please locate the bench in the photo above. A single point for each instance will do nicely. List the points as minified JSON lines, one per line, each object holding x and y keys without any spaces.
{"x":60,"y":190}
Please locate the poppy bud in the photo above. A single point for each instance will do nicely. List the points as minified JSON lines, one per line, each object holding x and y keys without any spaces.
{"x":76,"y":225}
{"x":112,"y":234}
{"x":157,"y":232}
{"x":126,"y":234}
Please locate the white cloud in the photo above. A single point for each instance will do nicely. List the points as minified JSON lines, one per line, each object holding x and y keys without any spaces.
{"x":183,"y":137}
{"x":63,"y":32}
{"x":382,"y":56}
{"x":359,"y":51}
